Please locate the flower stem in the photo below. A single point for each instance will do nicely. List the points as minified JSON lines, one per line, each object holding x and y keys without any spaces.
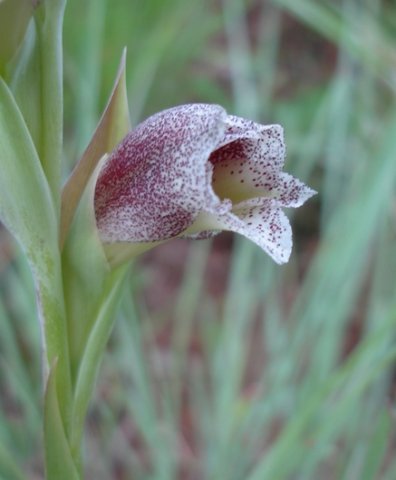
{"x":50,"y":18}
{"x":53,"y":321}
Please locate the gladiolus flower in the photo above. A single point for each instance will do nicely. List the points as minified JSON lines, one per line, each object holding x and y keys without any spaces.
{"x":192,"y":171}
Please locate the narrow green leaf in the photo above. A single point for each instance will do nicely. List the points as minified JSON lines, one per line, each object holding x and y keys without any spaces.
{"x":377,"y":447}
{"x":112,"y":127}
{"x":27,"y":209}
{"x":14,"y":17}
{"x":26,"y":206}
{"x":58,"y":459}
{"x":8,"y":467}
{"x":94,"y":349}
{"x":25,"y":81}
{"x":347,"y":382}
{"x":88,"y":63}
{"x":92,"y":291}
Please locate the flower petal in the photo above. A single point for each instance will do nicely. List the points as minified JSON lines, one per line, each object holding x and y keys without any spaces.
{"x":266,"y":225}
{"x":238,"y":128}
{"x":249,"y":165}
{"x":291,"y":192}
{"x":156,"y":182}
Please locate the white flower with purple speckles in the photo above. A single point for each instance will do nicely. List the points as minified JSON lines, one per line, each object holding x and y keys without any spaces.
{"x":193,"y":170}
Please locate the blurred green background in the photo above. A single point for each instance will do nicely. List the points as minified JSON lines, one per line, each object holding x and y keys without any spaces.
{"x":223,"y":365}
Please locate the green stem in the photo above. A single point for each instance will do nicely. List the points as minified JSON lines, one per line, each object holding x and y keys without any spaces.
{"x":59,"y":462}
{"x":50,"y":17}
{"x":53,"y":321}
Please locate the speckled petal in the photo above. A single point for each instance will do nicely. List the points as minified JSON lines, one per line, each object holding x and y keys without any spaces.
{"x":250,"y":188}
{"x":270,"y":137}
{"x":291,"y":192}
{"x":264,"y":224}
{"x":249,"y":166}
{"x":238,"y":128}
{"x":156,"y":181}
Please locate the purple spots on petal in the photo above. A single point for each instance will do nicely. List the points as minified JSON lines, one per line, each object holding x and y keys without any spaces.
{"x":267,"y":226}
{"x":154,"y":183}
{"x":192,"y":160}
{"x":254,"y":156}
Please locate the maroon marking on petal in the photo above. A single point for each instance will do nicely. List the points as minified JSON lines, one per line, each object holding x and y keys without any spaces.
{"x":154,"y":183}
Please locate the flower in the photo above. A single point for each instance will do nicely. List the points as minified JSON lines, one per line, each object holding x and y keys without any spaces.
{"x":192,"y":171}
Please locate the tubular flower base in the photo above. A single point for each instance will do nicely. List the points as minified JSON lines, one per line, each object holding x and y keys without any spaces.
{"x":192,"y":171}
